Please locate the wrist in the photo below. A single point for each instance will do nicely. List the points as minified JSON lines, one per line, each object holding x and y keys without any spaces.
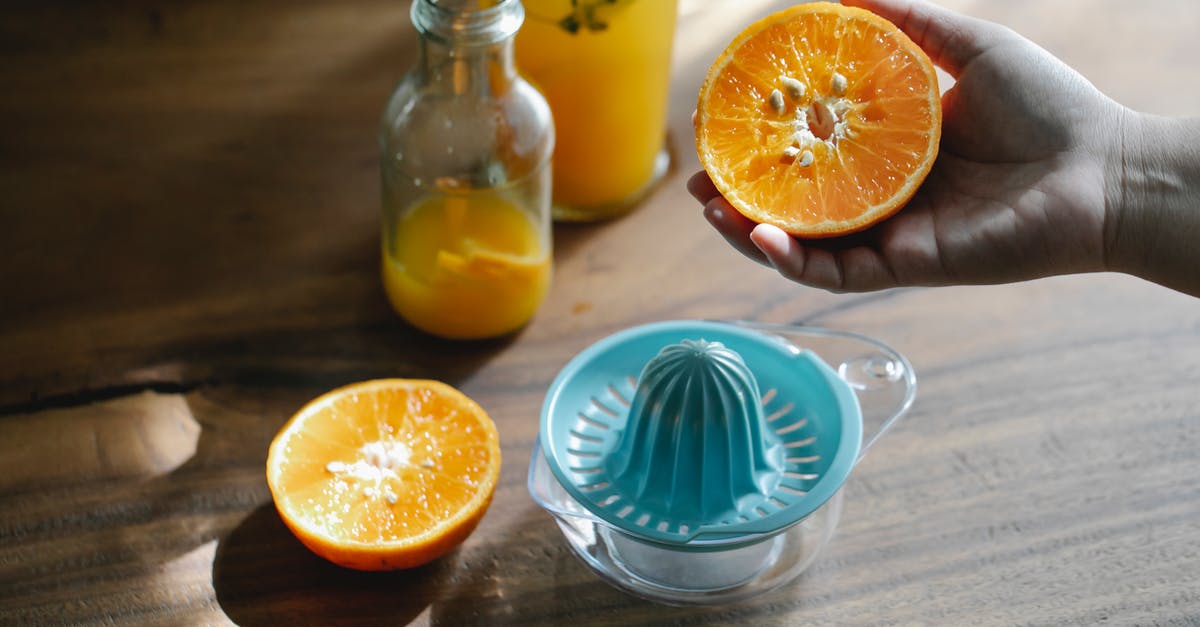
{"x":1152,"y":200}
{"x":1123,"y":194}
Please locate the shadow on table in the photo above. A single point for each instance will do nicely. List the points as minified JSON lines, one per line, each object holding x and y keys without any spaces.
{"x":526,"y":575}
{"x":264,"y":576}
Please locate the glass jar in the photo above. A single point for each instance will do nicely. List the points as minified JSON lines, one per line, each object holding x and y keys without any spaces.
{"x":465,"y":153}
{"x":605,"y":67}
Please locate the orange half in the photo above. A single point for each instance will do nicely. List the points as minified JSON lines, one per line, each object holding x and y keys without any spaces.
{"x":385,"y":474}
{"x":820,"y":119}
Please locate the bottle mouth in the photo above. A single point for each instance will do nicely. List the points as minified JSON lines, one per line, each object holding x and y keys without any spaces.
{"x":468,"y":22}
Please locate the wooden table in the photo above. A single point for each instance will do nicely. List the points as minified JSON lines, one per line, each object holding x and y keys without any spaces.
{"x":189,"y":248}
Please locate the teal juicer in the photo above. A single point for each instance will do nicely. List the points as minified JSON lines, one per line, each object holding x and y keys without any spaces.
{"x":699,"y":462}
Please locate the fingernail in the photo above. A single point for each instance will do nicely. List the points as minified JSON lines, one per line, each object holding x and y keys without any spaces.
{"x":766,"y":237}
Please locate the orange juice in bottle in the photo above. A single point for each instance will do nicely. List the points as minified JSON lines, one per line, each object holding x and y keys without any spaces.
{"x":467,"y":266}
{"x":604,"y":66}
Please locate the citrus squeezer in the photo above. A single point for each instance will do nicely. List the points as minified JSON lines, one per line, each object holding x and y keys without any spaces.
{"x":701,"y":462}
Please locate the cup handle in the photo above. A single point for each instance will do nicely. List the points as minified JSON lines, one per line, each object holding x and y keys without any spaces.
{"x":882,"y":379}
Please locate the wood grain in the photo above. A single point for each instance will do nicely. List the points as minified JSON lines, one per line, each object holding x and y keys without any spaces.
{"x":190,"y":241}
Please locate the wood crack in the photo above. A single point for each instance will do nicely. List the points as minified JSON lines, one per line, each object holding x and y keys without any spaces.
{"x":95,"y":395}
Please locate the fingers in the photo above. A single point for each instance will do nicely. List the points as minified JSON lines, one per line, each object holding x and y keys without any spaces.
{"x":735,"y":228}
{"x":850,"y":269}
{"x":701,"y":187}
{"x":950,"y":39}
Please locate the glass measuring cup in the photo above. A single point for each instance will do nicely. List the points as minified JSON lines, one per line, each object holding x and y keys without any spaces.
{"x":718,"y":567}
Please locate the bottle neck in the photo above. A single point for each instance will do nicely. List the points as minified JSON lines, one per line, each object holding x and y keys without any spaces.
{"x":467,"y":45}
{"x":481,"y":70}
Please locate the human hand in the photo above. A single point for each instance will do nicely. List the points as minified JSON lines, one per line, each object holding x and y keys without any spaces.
{"x":1029,"y":149}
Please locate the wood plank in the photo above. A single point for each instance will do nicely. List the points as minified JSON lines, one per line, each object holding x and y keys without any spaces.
{"x":190,"y":251}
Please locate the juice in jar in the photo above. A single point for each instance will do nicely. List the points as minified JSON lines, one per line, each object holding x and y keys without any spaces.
{"x":604,"y":66}
{"x":466,"y":265}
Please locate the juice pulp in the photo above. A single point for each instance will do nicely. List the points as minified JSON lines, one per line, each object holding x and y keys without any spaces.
{"x":466,"y":266}
{"x":604,"y":67}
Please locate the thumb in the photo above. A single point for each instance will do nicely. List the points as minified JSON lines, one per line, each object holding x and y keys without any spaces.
{"x":950,"y":39}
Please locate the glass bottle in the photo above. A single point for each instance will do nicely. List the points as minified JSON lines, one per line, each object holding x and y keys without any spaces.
{"x":466,"y":146}
{"x":605,"y":67}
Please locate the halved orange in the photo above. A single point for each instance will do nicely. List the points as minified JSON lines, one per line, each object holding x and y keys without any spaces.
{"x":820,"y":119}
{"x":385,"y":474}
